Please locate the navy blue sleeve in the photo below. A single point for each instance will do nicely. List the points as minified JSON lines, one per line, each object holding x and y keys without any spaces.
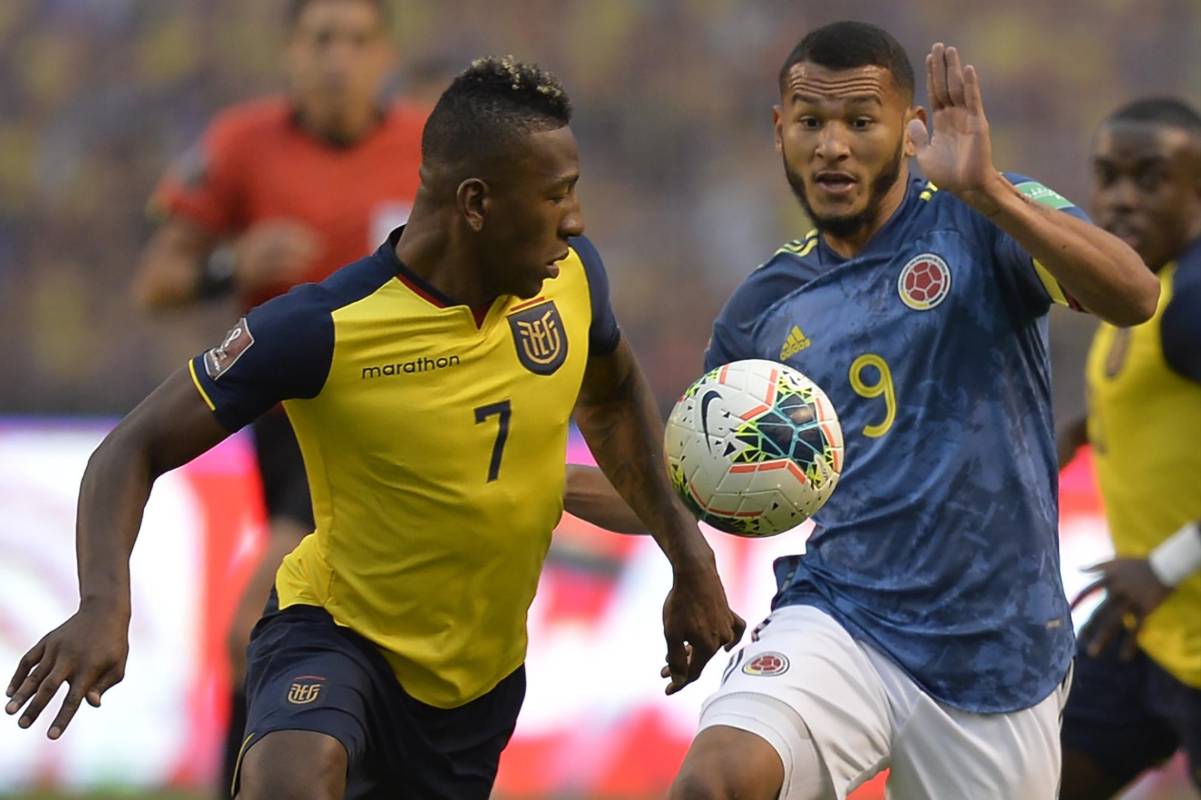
{"x":603,"y":335}
{"x":281,"y":350}
{"x":1026,"y":281}
{"x":733,"y":337}
{"x":1180,"y":326}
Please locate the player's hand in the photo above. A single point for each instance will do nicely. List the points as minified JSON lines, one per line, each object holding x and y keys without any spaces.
{"x":273,"y":252}
{"x":697,"y":622}
{"x":87,"y":652}
{"x":956,"y":152}
{"x":1132,"y":593}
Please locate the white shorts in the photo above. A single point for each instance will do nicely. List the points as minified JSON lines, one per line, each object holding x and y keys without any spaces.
{"x":838,"y":711}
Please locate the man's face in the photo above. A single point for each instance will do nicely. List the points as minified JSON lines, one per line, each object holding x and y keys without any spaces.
{"x":842,"y":137}
{"x":337,"y":56}
{"x":1147,"y":187}
{"x":533,"y":209}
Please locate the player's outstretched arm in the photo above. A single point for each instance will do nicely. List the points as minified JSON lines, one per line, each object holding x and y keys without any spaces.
{"x":591,"y":497}
{"x":1100,"y":270}
{"x":617,"y":415}
{"x":88,"y":651}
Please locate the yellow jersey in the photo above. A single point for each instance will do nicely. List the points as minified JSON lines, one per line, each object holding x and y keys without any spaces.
{"x":1144,"y":422}
{"x":434,"y":439}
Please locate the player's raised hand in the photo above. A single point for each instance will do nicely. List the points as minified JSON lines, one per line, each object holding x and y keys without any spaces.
{"x":1132,"y":592}
{"x":87,"y":652}
{"x":956,"y":152}
{"x":697,"y":622}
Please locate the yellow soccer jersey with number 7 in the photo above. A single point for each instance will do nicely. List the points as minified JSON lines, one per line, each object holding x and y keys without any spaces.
{"x":434,"y":440}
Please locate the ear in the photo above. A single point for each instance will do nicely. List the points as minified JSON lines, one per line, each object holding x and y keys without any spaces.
{"x":777,"y":123}
{"x":916,"y":112}
{"x":473,"y":200}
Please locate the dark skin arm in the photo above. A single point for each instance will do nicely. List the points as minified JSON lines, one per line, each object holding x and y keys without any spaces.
{"x":88,"y":651}
{"x":617,"y":415}
{"x":171,"y":263}
{"x":591,"y":497}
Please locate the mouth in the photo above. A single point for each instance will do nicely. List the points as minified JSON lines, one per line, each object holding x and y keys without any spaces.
{"x":1127,"y":231}
{"x":835,"y":184}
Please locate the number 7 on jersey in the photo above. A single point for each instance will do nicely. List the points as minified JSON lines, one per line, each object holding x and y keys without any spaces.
{"x":504,"y":411}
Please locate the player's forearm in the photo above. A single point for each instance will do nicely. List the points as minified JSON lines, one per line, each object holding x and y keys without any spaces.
{"x":625,"y":434}
{"x":1100,"y":270}
{"x":171,"y":267}
{"x":112,"y":497}
{"x":592,"y":498}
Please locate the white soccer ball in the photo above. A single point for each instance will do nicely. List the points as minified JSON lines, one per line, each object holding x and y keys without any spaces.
{"x":754,"y":448}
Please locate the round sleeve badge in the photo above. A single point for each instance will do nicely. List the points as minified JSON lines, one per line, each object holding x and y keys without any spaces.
{"x":924,"y":282}
{"x":766,"y":664}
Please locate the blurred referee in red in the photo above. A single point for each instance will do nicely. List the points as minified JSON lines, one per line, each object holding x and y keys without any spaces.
{"x":280,"y":191}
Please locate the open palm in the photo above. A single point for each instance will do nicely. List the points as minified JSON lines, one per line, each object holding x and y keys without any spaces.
{"x":956,"y":153}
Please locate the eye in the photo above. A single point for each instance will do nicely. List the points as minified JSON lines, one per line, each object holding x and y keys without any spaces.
{"x":862,"y":123}
{"x":809,"y":123}
{"x":1104,"y":174}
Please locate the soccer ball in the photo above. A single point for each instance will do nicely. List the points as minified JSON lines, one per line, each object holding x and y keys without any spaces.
{"x":754,"y":448}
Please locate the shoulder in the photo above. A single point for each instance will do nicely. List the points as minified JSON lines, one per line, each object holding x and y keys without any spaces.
{"x":1188,"y":265}
{"x":793,"y":265}
{"x":356,"y":280}
{"x":586,"y":251}
{"x":250,"y":121}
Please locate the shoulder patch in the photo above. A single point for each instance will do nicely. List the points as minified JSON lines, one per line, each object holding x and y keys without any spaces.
{"x":218,"y":360}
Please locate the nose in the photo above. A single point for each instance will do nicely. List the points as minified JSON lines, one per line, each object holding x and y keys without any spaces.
{"x":832,"y":143}
{"x":1121,"y":195}
{"x":572,"y":223}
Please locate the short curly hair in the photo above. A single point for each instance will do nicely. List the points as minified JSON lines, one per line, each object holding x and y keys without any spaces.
{"x":489,"y":107}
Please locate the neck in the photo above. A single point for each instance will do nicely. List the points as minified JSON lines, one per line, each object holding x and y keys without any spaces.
{"x":431,"y":248}
{"x":850,"y":246}
{"x":341,"y":130}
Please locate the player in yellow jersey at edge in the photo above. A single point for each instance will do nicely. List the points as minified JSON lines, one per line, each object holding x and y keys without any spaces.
{"x":431,"y":387}
{"x":1137,"y":693}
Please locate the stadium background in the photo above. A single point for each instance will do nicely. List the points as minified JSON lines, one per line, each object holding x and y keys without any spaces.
{"x":683,"y":194}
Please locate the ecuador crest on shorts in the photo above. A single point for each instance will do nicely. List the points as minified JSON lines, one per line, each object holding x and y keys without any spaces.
{"x":766,"y":665}
{"x":539,"y":337}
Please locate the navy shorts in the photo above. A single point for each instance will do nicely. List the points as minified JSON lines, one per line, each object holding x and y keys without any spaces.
{"x":1130,"y":716}
{"x":304,"y":672}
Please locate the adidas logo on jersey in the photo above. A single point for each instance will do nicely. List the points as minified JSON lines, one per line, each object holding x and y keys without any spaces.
{"x":795,"y":343}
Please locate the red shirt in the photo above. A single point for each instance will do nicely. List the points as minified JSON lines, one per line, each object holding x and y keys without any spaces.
{"x":256,"y":163}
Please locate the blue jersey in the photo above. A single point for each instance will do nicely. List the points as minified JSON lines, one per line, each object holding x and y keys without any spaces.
{"x":940,"y":545}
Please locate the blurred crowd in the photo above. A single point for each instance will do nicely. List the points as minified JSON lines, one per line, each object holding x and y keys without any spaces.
{"x":682,"y":190}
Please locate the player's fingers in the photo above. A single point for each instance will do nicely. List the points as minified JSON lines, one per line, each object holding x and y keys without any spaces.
{"x":105,"y":682}
{"x":955,"y":89}
{"x":739,"y":629}
{"x":1107,"y":626}
{"x":43,"y":696}
{"x":29,"y":686}
{"x":27,"y":663}
{"x":77,"y":687}
{"x":677,"y":656}
{"x":934,"y":106}
{"x":939,"y":96}
{"x":1093,"y":587}
{"x":971,"y":90}
{"x":1130,"y":642}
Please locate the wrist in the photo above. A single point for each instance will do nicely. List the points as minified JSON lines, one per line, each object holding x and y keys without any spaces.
{"x":218,"y":272}
{"x":1178,"y":556}
{"x":990,"y":197}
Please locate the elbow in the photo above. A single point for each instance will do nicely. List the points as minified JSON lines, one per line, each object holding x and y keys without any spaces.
{"x":1142,"y":302}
